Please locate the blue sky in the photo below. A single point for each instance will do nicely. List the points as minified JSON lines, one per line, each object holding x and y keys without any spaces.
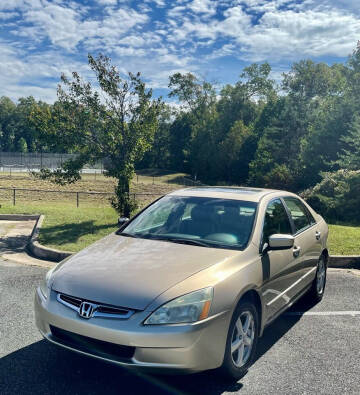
{"x":214,"y":39}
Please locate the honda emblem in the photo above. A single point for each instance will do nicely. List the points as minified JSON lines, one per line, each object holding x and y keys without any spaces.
{"x":86,"y":310}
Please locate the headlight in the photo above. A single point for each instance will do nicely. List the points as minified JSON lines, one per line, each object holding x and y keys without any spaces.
{"x":191,"y":307}
{"x":45,"y":284}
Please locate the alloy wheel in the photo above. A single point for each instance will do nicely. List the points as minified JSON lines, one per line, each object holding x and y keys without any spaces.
{"x":320,"y":277}
{"x":242,"y":339}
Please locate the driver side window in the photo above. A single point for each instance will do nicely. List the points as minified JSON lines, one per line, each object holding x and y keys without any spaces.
{"x":276,"y":220}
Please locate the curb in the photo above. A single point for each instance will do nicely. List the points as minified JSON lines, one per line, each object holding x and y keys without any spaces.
{"x":33,"y":246}
{"x":40,"y":251}
{"x":18,"y":217}
{"x":345,"y":261}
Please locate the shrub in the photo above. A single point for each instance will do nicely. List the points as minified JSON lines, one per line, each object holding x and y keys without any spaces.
{"x":337,"y":196}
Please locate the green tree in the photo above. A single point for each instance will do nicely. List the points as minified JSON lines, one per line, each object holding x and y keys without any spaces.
{"x":235,"y":153}
{"x":159,"y":154}
{"x":308,"y":80}
{"x":334,"y":108}
{"x":349,"y":158}
{"x":196,"y":95}
{"x":114,"y":122}
{"x":180,"y":134}
{"x":194,"y":129}
{"x":336,"y":196}
{"x":21,"y":145}
{"x":8,"y":123}
{"x":24,"y":127}
{"x":278,"y":148}
{"x":289,"y":152}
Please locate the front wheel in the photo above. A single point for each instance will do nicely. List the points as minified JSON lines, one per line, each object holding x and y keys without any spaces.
{"x":318,"y":286}
{"x":241,"y":341}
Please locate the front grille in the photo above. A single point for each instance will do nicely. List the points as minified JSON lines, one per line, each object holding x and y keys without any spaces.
{"x":69,"y":299}
{"x":99,"y":310}
{"x":111,"y":310}
{"x":92,"y":346}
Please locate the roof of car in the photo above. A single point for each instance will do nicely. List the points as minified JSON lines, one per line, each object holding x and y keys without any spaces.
{"x":236,"y":193}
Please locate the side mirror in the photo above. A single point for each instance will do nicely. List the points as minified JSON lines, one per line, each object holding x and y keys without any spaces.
{"x":281,"y":242}
{"x":122,"y":221}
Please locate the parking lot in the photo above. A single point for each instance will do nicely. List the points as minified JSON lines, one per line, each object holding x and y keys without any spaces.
{"x":308,"y":350}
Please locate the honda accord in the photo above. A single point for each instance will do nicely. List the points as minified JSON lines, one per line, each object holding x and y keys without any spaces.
{"x":189,"y":283}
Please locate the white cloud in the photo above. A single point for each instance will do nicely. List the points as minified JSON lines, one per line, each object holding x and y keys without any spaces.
{"x":107,"y":2}
{"x":44,"y":37}
{"x":10,"y":4}
{"x":157,"y":65}
{"x":207,"y":7}
{"x":265,"y":5}
{"x":279,"y":34}
{"x":292,"y":35}
{"x":19,"y":4}
{"x":8,"y":15}
{"x":233,"y":25}
{"x":60,"y":24}
{"x":129,"y":51}
{"x":66,"y":27}
{"x":24,"y":74}
{"x":225,"y":50}
{"x":350,"y":5}
{"x":158,"y":3}
{"x":176,"y":11}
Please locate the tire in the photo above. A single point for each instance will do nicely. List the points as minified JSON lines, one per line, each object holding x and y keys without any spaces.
{"x":237,"y":363}
{"x":317,"y":289}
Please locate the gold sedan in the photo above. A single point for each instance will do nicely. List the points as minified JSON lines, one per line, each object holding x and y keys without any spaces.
{"x":189,"y":283}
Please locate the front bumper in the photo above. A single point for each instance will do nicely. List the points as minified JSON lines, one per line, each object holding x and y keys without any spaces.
{"x":182,"y":347}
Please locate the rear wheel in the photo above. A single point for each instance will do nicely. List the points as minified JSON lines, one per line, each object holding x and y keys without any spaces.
{"x":241,"y":341}
{"x":318,"y":286}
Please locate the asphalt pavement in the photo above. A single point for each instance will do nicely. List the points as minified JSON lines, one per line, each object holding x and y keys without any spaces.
{"x":313,"y":353}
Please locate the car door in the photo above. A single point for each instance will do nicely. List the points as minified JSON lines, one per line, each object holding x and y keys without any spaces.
{"x":307,"y":240}
{"x":279,"y":266}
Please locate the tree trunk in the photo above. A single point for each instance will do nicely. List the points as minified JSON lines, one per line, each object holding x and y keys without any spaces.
{"x":122,"y":202}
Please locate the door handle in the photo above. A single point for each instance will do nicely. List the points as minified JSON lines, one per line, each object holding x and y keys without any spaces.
{"x":317,"y":235}
{"x":296,"y":251}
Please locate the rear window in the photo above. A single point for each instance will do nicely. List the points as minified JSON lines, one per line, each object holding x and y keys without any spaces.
{"x":299,"y":213}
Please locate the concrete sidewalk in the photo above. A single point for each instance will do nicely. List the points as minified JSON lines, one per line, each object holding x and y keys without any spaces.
{"x":14,"y":236}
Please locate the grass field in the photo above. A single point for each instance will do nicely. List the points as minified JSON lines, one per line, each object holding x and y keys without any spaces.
{"x":67,"y":227}
{"x":344,"y":240}
{"x":152,"y":183}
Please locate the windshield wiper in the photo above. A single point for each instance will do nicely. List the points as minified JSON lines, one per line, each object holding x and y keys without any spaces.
{"x":153,"y":236}
{"x":127,"y":234}
{"x":188,"y":241}
{"x":180,"y":240}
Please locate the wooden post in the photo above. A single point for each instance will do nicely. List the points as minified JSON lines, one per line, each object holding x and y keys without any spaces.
{"x":14,"y":196}
{"x":77,"y":199}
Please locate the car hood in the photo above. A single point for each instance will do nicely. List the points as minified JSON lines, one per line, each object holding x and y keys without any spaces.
{"x":132,"y":272}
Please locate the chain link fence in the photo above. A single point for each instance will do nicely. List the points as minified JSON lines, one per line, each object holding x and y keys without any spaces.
{"x":73,"y":198}
{"x":18,"y":186}
{"x":32,"y":161}
{"x":22,"y":164}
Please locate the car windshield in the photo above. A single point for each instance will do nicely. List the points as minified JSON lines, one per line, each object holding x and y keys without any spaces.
{"x":203,"y":221}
